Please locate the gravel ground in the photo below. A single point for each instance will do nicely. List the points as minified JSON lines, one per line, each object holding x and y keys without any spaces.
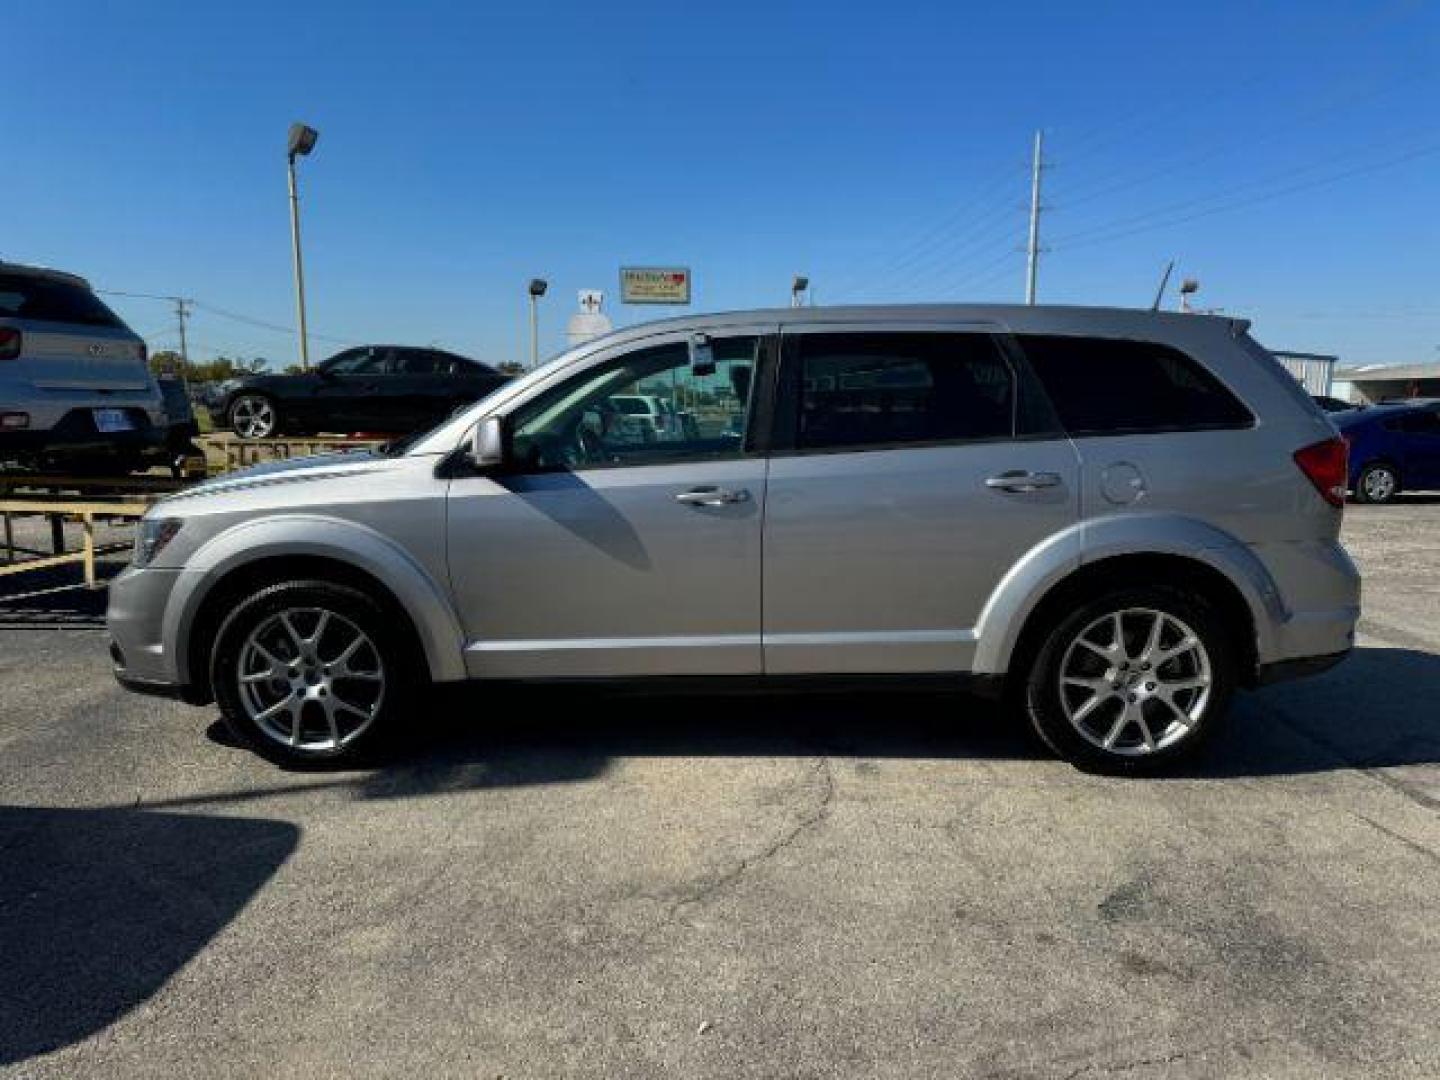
{"x":894,"y":885}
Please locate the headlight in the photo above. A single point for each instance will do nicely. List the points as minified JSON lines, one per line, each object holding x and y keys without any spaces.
{"x":151,"y":538}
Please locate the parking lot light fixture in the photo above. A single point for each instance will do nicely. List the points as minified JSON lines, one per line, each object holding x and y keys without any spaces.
{"x":301,"y":141}
{"x":537,"y":289}
{"x":798,"y":286}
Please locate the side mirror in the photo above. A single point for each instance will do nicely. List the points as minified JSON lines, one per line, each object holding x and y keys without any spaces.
{"x":487,"y":443}
{"x":702,"y":355}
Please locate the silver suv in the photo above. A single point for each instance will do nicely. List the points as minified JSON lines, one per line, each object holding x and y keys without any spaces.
{"x":74,"y":386}
{"x":1115,"y":518}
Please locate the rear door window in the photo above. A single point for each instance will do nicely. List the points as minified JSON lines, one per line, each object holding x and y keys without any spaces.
{"x":46,"y":300}
{"x":1109,"y":386}
{"x":893,"y":388}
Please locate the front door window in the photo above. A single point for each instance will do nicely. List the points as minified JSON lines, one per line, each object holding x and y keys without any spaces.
{"x":648,"y":407}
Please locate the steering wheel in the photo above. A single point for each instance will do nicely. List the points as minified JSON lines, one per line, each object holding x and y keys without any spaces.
{"x":585,"y":448}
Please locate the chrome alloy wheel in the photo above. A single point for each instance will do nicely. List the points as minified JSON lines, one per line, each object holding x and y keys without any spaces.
{"x":253,"y":417}
{"x":311,"y":680}
{"x":1135,"y":681}
{"x":1379,"y":484}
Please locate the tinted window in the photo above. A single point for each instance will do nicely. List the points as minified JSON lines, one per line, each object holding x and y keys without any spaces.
{"x":886,"y":388}
{"x":644,"y":408}
{"x":44,"y":300}
{"x":1421,"y":423}
{"x":1105,"y":386}
{"x":415,"y":362}
{"x":461,"y":365}
{"x":366,"y":361}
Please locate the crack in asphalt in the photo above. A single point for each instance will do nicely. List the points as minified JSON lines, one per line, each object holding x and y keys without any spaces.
{"x":1117,"y":1067}
{"x":1413,"y":845}
{"x":826,"y":777}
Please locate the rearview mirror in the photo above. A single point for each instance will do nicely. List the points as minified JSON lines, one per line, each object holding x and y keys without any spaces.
{"x":487,"y":443}
{"x":702,"y":355}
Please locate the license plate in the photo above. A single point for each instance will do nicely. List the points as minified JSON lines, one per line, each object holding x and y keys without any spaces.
{"x":108,"y":420}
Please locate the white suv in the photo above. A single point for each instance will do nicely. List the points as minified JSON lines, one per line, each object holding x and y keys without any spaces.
{"x":74,"y":385}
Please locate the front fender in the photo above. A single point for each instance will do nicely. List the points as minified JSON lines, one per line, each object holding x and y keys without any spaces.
{"x":322,"y":537}
{"x":1056,"y":558}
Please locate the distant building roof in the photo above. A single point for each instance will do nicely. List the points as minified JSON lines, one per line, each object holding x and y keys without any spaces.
{"x":1388,"y":372}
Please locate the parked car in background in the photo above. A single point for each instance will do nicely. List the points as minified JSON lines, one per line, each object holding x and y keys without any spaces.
{"x":1333,"y":404}
{"x":75,"y":392}
{"x":1394,"y":447}
{"x":393,"y":389}
{"x":649,"y":417}
{"x":1113,"y":519}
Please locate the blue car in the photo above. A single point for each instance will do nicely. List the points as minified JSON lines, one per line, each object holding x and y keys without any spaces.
{"x":1393,"y":448}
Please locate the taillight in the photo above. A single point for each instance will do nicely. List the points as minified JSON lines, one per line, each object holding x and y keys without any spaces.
{"x":1327,"y":466}
{"x":144,"y":353}
{"x":10,"y":342}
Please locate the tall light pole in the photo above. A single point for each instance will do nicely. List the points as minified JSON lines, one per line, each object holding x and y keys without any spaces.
{"x":537,"y":290}
{"x":301,"y":142}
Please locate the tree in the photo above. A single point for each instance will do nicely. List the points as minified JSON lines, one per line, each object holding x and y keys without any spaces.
{"x":168,"y":362}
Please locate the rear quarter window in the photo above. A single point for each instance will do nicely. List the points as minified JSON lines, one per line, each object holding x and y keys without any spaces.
{"x":45,"y":300}
{"x":1110,"y":386}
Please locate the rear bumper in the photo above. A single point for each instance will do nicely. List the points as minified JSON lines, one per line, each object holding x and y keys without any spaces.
{"x":75,"y":435}
{"x":1318,"y":590}
{"x":1299,"y":668}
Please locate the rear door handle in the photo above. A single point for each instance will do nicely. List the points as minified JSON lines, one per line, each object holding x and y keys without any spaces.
{"x":712,"y":496}
{"x":1021,"y":481}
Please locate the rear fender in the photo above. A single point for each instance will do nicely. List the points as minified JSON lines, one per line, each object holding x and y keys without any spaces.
{"x":1052,"y":561}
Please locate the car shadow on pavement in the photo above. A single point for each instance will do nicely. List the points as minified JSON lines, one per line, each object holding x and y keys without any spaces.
{"x":1379,"y":709}
{"x":1376,"y":710}
{"x":98,"y":908}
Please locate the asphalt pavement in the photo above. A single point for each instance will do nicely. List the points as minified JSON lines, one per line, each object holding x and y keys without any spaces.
{"x":556,"y":884}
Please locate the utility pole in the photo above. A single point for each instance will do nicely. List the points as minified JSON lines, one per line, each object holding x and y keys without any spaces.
{"x":1032,"y":250}
{"x":182,"y":312}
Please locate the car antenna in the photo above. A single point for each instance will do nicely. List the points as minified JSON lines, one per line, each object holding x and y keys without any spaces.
{"x":1164,"y":280}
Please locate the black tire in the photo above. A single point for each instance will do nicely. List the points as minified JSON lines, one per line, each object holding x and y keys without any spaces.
{"x":243,"y":403}
{"x":1377,"y":483}
{"x":390,"y":651}
{"x":1049,"y":713}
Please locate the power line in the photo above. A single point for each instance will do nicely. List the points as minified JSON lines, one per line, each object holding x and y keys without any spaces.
{"x":929,"y":238}
{"x":262,"y":324}
{"x":225,"y":314}
{"x":1140,"y":223}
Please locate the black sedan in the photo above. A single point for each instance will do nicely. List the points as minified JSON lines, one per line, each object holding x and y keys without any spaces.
{"x":395,"y":389}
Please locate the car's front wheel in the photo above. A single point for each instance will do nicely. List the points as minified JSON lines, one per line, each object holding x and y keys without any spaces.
{"x":1377,"y":483}
{"x":1133,"y":680}
{"x":306,"y":671}
{"x":254,"y":416}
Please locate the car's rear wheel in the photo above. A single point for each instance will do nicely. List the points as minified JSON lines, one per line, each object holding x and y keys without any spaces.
{"x":309,"y":671}
{"x":1377,"y":483}
{"x":1132,"y":681}
{"x":254,"y":416}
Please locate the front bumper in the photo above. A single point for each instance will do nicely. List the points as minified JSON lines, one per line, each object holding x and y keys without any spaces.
{"x":143,"y":660}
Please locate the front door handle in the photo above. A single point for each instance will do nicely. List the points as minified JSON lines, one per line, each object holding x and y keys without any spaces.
{"x":1020,"y":480}
{"x":712,"y":496}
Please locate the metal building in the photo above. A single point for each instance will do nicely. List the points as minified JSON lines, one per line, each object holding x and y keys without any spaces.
{"x":1315,"y":371}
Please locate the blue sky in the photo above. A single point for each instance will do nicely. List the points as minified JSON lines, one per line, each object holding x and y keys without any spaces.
{"x":1287,"y":155}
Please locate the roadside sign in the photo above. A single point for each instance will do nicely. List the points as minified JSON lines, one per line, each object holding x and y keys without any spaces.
{"x":654,"y":285}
